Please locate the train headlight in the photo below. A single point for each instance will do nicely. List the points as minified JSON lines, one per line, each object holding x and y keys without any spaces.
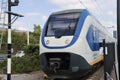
{"x":67,"y":41}
{"x":47,"y":42}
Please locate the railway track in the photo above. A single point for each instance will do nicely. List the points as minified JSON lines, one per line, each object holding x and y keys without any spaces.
{"x":96,"y":74}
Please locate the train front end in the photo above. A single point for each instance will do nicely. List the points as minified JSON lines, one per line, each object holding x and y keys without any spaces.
{"x":58,"y":56}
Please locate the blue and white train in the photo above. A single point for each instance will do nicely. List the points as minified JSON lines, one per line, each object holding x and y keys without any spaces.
{"x":70,"y":43}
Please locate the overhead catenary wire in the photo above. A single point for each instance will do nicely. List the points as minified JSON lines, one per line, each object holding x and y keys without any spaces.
{"x":99,"y":15}
{"x":97,"y":5}
{"x":101,"y":12}
{"x":82,"y":4}
{"x":2,"y":12}
{"x":98,"y":9}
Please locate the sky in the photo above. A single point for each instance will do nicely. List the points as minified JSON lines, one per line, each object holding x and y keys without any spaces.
{"x":37,"y":11}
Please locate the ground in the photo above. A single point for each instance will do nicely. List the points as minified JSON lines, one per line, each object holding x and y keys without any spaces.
{"x":98,"y":75}
{"x":32,"y":76}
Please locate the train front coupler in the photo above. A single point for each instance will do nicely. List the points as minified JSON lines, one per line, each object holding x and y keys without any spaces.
{"x":54,"y":64}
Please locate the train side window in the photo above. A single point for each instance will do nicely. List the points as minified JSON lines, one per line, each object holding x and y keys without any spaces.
{"x":90,"y":37}
{"x":96,"y":39}
{"x":101,"y":36}
{"x":93,"y":38}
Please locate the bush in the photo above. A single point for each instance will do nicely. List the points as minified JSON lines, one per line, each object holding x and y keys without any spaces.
{"x":28,"y":63}
{"x":31,"y":49}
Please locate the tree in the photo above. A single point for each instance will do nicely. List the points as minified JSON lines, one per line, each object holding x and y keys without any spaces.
{"x":35,"y":35}
{"x":19,"y":40}
{"x":37,"y":29}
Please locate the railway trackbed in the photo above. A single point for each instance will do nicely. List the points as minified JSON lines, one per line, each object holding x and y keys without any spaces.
{"x":98,"y":74}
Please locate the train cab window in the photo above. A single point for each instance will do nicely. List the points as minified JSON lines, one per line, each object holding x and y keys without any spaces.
{"x":62,"y":24}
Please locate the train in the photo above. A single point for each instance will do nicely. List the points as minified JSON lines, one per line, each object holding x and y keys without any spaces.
{"x":70,"y":44}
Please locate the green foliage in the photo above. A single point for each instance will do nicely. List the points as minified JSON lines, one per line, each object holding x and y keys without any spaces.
{"x":3,"y":66}
{"x":35,"y":35}
{"x":4,"y":41}
{"x":37,"y":29}
{"x":1,"y":52}
{"x":31,"y":48}
{"x":19,"y":39}
{"x":28,"y":63}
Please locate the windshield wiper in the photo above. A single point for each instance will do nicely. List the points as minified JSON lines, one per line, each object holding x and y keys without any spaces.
{"x":61,"y":32}
{"x":69,"y":28}
{"x":58,"y":33}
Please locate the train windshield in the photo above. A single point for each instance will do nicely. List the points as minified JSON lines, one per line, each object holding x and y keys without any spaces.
{"x":62,"y":24}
